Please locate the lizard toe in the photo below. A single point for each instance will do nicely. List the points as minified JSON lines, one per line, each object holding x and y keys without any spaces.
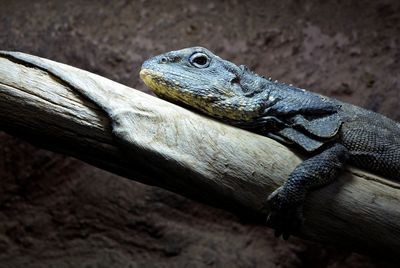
{"x":284,"y":218}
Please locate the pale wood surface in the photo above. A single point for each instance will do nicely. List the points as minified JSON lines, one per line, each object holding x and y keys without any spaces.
{"x":51,"y":104}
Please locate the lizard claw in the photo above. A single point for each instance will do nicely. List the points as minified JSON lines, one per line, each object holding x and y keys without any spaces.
{"x":284,"y":217}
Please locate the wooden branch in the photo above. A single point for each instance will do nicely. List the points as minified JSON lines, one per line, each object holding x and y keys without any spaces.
{"x":190,"y":154}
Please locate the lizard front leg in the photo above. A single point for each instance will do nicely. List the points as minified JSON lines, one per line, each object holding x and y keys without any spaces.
{"x":286,"y":202}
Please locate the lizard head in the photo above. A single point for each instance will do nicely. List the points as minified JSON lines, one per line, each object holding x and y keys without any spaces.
{"x":198,"y":78}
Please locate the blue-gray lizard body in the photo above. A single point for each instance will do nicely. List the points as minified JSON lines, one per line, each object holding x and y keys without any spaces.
{"x":333,"y":133}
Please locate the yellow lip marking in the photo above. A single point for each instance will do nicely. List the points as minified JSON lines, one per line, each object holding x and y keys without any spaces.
{"x":148,"y":72}
{"x":147,"y":75}
{"x":156,"y":85}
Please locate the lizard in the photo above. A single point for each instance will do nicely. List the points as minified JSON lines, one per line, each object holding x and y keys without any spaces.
{"x":330,"y":132}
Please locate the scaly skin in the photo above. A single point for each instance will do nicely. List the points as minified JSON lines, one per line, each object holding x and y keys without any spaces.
{"x":333,"y":133}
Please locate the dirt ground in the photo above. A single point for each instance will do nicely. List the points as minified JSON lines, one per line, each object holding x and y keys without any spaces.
{"x":56,"y":211}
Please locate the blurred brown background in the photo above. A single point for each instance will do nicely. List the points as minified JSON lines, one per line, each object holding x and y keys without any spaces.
{"x":56,"y":211}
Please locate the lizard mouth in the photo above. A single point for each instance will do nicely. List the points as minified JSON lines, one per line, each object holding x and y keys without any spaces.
{"x":171,"y":90}
{"x":164,"y":86}
{"x":153,"y":80}
{"x":156,"y":81}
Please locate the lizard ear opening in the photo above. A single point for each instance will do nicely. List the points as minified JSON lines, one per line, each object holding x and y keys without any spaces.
{"x":235,"y":80}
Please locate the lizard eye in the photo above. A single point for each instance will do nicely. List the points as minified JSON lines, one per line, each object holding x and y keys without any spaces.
{"x":199,"y":60}
{"x":163,"y":60}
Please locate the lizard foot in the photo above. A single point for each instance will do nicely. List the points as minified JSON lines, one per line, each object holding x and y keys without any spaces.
{"x":285,"y":217}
